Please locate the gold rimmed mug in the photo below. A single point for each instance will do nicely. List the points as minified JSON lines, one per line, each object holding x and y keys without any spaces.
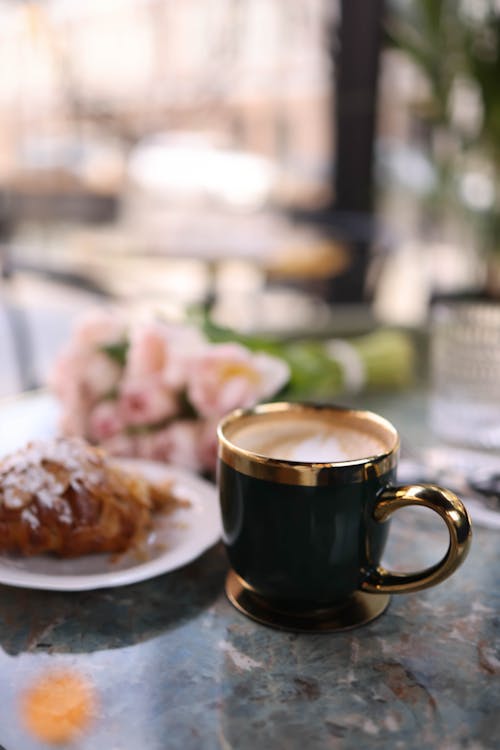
{"x":305,"y":538}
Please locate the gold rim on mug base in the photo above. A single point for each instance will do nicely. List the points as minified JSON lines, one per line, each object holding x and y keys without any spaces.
{"x":359,"y":609}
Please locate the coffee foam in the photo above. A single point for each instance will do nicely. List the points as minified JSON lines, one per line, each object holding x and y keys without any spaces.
{"x":308,"y":439}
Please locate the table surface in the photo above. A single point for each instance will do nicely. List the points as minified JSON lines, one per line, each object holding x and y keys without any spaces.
{"x":173,"y":665}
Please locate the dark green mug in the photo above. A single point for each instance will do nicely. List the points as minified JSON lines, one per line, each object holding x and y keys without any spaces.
{"x":305,"y":535}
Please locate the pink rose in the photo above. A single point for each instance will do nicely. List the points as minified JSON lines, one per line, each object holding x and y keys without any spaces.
{"x":93,"y":374}
{"x":184,"y":344}
{"x":227,"y":376}
{"x":146,"y":446}
{"x":99,"y":374}
{"x":147,"y":353}
{"x":120,"y":444}
{"x":65,"y":382}
{"x":182,"y":441}
{"x":177,"y":444}
{"x":64,"y":378}
{"x":105,"y":421}
{"x":146,"y":401}
{"x":74,"y":416}
{"x":99,"y":327}
{"x":162,"y":349}
{"x":207,"y":449}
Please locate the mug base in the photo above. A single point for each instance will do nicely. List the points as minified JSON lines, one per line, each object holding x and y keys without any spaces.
{"x":359,"y":609}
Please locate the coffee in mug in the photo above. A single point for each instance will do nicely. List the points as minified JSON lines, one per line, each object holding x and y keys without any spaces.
{"x":313,"y":438}
{"x":306,"y":496}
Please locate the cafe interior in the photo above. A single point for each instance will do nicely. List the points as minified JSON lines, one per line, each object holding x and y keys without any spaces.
{"x":222,"y":221}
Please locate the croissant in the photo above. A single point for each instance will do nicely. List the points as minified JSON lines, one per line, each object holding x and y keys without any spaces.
{"x":67,"y":497}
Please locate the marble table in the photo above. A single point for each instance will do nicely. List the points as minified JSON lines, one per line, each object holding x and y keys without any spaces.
{"x":173,"y":665}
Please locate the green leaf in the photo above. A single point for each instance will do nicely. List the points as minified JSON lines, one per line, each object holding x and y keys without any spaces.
{"x":117,"y":352}
{"x":313,"y":374}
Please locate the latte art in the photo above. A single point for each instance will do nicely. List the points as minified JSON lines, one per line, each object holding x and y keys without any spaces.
{"x":307,"y":439}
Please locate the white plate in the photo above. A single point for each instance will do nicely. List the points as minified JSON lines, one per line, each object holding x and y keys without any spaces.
{"x":178,"y":538}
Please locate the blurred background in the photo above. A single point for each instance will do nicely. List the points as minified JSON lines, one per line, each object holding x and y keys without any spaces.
{"x":309,"y":166}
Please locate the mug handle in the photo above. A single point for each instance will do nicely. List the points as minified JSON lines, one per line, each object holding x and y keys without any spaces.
{"x":447,"y":505}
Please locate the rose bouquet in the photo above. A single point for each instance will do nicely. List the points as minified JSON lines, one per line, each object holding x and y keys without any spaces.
{"x":156,"y":390}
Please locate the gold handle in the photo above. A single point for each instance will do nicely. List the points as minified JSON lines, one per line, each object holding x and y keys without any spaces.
{"x":451,"y":509}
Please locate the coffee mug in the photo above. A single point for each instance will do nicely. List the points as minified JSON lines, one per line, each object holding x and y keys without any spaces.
{"x":306,"y":495}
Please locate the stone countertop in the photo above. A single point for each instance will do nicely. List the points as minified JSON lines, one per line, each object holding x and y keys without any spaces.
{"x":173,"y":665}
